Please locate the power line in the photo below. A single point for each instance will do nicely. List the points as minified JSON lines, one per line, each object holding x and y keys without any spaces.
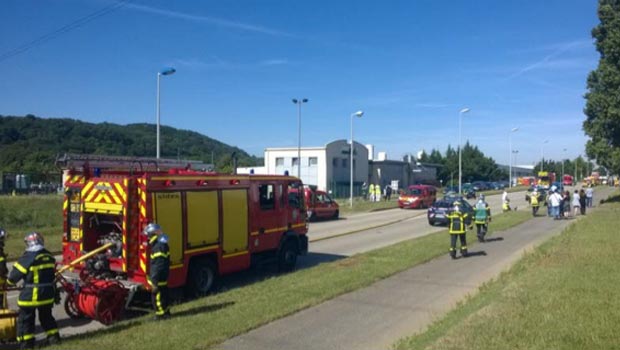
{"x":64,"y":29}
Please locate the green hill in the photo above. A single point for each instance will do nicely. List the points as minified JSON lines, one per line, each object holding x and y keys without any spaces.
{"x":30,"y":144}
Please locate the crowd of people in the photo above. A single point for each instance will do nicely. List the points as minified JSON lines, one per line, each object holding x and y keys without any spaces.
{"x":561,"y":204}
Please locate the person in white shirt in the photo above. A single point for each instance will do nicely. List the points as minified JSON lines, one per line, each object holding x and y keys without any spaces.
{"x":555,"y":199}
{"x":589,"y":196}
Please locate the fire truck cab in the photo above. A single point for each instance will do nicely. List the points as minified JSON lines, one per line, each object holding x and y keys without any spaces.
{"x":217,"y":224}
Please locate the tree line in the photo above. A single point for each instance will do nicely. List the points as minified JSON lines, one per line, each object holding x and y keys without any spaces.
{"x":30,"y":144}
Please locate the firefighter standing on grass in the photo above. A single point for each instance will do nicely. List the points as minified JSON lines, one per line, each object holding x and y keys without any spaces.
{"x":482,"y":217}
{"x":3,"y":271}
{"x":534,"y":202}
{"x":37,"y":267}
{"x":159,"y":270}
{"x":457,"y":230}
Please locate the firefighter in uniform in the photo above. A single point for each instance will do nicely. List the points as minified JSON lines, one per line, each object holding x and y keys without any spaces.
{"x":3,"y":271}
{"x":159,"y":270}
{"x":482,"y":217}
{"x":37,"y":267}
{"x":534,"y":202}
{"x":457,"y":229}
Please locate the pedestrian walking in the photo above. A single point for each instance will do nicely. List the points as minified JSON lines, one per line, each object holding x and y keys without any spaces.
{"x":582,"y":201}
{"x":37,"y":268}
{"x":575,"y":203}
{"x":566,"y":204}
{"x":388,"y":192}
{"x":482,"y":217}
{"x":555,"y":198}
{"x":534,"y":202}
{"x":457,"y":229}
{"x":3,"y":271}
{"x":371,"y":192}
{"x":589,"y":196}
{"x":159,"y":270}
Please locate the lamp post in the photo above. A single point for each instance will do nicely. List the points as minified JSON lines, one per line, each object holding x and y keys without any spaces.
{"x":510,"y":156}
{"x":564,"y":150}
{"x":358,"y":114}
{"x":542,"y":155}
{"x":515,"y":152}
{"x":464,"y":110}
{"x":298,"y":103}
{"x":165,"y":71}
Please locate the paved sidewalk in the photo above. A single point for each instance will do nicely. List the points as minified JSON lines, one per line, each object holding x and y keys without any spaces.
{"x":375,"y":317}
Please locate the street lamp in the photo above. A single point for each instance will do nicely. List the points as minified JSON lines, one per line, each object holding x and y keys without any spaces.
{"x":298,"y":103}
{"x":515,"y":152}
{"x":464,"y":110}
{"x":165,"y":71}
{"x":358,"y":114}
{"x":563,"y":165}
{"x":542,"y":155}
{"x":510,"y":156}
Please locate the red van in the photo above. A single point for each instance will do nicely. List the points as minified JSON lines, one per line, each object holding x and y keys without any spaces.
{"x":319,"y":204}
{"x":417,"y":196}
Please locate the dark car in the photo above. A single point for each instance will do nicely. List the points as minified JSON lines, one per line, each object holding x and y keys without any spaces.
{"x":437,"y":213}
{"x":542,"y":194}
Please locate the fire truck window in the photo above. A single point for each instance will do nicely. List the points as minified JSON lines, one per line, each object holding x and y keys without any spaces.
{"x":295,"y":192}
{"x":266,"y":197}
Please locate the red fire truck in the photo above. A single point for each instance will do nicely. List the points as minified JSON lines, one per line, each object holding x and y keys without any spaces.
{"x":217,"y":223}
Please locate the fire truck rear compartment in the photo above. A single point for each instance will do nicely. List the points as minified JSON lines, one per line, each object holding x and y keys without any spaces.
{"x":99,"y":229}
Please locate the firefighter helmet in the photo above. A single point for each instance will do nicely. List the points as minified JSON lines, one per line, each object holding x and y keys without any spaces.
{"x":151,"y":229}
{"x":2,"y":233}
{"x":33,"y":239}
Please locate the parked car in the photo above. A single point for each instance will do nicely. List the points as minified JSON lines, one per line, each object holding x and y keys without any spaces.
{"x":417,"y":196}
{"x":319,"y":204}
{"x":437,"y":213}
{"x":479,"y":186}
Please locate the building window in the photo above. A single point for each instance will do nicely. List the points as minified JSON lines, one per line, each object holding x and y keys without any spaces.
{"x":295,"y":161}
{"x":313,"y":161}
{"x":335,"y":162}
{"x":266,"y":197}
{"x":354,"y":163}
{"x":279,"y":161}
{"x":344,"y":162}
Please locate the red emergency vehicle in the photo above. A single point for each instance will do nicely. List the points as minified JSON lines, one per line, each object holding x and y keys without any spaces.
{"x":567,"y":180}
{"x":417,"y":196}
{"x":217,"y":223}
{"x":319,"y":204}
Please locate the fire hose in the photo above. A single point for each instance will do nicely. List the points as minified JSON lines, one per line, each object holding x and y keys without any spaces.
{"x":97,"y":299}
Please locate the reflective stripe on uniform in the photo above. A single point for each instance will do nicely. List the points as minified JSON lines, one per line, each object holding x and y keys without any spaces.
{"x":35,"y":302}
{"x":161,"y":284}
{"x":20,"y":268}
{"x":52,"y":332}
{"x":160,"y":254}
{"x":160,"y":310}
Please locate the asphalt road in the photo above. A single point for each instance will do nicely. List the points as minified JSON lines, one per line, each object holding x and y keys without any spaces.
{"x":349,"y":235}
{"x":375,"y":317}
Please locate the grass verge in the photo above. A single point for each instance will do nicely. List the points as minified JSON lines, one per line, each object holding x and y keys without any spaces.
{"x":203,"y":323}
{"x":563,"y":295}
{"x":22,"y":214}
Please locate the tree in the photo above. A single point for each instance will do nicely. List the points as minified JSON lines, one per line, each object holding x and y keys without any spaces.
{"x":602,"y":109}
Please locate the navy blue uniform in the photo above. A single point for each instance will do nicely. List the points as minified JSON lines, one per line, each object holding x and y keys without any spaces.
{"x":159,"y":270}
{"x":38,"y":271}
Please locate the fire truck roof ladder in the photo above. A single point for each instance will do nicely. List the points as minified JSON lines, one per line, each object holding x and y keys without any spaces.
{"x":86,"y":161}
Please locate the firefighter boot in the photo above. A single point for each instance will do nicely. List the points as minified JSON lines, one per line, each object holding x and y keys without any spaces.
{"x":453,"y":253}
{"x":53,"y":339}
{"x":464,"y":252}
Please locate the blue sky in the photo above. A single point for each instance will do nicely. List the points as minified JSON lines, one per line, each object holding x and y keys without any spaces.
{"x":409,"y":65}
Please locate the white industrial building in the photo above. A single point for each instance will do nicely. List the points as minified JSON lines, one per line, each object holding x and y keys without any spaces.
{"x":326,"y":167}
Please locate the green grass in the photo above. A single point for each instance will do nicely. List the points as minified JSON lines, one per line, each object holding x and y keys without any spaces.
{"x":22,"y":214}
{"x":363,"y":206}
{"x":563,"y":295}
{"x":203,"y":323}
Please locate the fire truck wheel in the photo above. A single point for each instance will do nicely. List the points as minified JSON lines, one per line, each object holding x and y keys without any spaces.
{"x":287,"y":259}
{"x":202,"y":277}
